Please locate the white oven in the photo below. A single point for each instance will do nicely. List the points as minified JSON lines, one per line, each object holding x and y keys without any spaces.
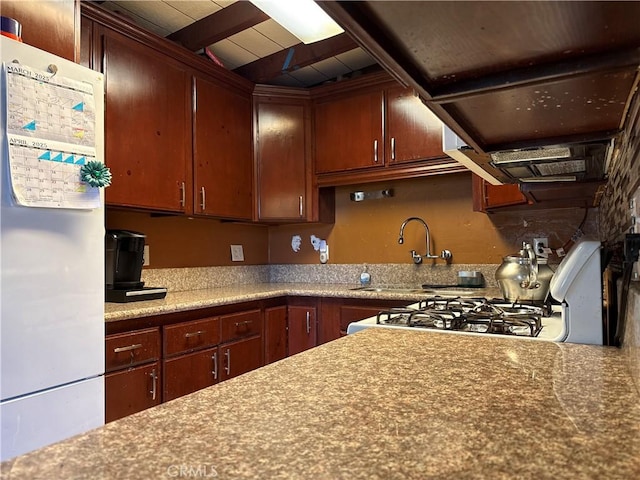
{"x":575,"y":316}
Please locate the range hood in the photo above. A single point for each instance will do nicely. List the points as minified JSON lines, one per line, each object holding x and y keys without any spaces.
{"x":554,"y":163}
{"x":512,"y":80}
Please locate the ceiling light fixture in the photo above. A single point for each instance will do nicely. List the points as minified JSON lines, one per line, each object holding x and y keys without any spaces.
{"x":303,"y":18}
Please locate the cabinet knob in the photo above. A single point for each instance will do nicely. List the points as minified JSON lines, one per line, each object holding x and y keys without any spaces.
{"x":154,"y":379}
{"x":227,"y":356}
{"x":393,"y":149}
{"x":300,"y":206}
{"x":183,"y":194}
{"x":214,"y":358}
{"x":203,"y":198}
{"x":308,"y":323}
{"x":375,"y":151}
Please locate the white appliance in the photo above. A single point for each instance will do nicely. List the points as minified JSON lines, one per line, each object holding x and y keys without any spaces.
{"x":577,"y":317}
{"x":51,"y":287}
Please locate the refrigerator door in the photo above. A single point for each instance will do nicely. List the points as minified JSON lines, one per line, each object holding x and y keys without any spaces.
{"x":40,"y":419}
{"x":52,"y":267}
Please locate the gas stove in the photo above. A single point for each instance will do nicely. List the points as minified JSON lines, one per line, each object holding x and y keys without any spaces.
{"x":475,"y":315}
{"x":572,"y":313}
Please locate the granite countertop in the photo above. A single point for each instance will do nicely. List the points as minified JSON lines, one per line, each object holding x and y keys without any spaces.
{"x":381,"y":404}
{"x":194,"y":299}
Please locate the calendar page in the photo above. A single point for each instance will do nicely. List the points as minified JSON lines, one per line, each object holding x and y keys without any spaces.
{"x":51,"y":135}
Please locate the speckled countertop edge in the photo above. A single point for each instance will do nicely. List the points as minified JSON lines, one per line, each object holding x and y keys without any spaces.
{"x":211,"y":297}
{"x":382,"y":404}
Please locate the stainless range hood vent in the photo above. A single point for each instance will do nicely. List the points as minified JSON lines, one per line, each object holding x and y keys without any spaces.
{"x":500,"y":158}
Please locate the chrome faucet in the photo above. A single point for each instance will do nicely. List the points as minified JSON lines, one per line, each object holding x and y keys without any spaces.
{"x":445,"y":254}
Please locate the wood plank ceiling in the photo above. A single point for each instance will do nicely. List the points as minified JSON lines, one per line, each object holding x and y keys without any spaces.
{"x":246,"y":40}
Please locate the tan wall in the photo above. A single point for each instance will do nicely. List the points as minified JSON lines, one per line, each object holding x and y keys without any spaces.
{"x":364,"y":232}
{"x":367,"y":232}
{"x":183,"y":242}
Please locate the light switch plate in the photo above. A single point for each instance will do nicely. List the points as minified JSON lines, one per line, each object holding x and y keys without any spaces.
{"x":237,"y":253}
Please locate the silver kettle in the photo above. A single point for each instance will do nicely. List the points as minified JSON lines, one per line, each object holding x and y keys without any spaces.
{"x":521,"y":277}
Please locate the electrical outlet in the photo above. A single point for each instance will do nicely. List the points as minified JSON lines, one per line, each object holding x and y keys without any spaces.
{"x":145,"y":256}
{"x":541,"y":246}
{"x":237,"y":253}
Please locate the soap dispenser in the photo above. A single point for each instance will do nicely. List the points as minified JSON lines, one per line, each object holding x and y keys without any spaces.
{"x":365,"y":278}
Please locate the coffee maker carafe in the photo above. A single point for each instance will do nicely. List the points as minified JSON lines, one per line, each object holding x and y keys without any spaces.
{"x":124,"y":257}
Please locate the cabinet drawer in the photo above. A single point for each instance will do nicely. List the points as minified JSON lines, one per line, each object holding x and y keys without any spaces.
{"x":190,"y":336}
{"x":243,"y":324}
{"x":132,"y":348}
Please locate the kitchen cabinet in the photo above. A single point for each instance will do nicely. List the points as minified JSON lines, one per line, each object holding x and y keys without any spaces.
{"x":50,"y":25}
{"x":337,"y":313}
{"x":222,"y":151}
{"x":487,"y":197}
{"x":285,"y":187}
{"x":371,"y":129}
{"x":242,"y":348}
{"x":413,"y":131}
{"x":240,"y":357}
{"x":349,"y":133}
{"x":302,"y":326}
{"x":190,"y":363}
{"x":132,"y":372}
{"x":148,"y":145}
{"x":539,"y":195}
{"x":275,"y":334}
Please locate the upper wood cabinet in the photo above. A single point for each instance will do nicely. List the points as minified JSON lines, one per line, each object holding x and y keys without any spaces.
{"x":50,"y":25}
{"x":487,"y":197}
{"x":222,"y":151}
{"x":371,"y":129}
{"x":349,"y":133}
{"x":147,"y":146}
{"x":285,"y":189}
{"x":413,"y":131}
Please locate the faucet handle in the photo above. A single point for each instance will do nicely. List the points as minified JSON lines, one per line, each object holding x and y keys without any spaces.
{"x":417,"y":258}
{"x":446,"y":255}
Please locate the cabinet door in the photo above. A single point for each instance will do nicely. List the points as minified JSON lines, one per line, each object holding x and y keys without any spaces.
{"x":349,"y":133}
{"x":222,"y":151}
{"x":275,"y":334}
{"x":147,"y":120}
{"x":188,"y":373}
{"x":413,"y":131}
{"x":131,"y":391}
{"x":240,"y":357}
{"x":281,"y":161}
{"x":302,"y":328}
{"x":486,"y":196}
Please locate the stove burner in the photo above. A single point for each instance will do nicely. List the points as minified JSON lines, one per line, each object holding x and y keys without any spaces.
{"x":478,"y":315}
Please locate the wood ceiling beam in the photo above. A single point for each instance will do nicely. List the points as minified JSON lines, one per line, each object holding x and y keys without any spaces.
{"x":298,"y":56}
{"x":219,"y":25}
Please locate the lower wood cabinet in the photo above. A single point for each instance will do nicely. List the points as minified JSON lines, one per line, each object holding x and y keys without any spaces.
{"x":240,"y":357}
{"x":302,"y":328}
{"x":275,"y":334}
{"x":187,"y":373}
{"x":133,"y":375}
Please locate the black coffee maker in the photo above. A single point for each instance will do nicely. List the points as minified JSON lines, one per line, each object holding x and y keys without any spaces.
{"x":124,"y":257}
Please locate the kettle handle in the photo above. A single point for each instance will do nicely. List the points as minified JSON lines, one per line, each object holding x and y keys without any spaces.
{"x":532,"y":281}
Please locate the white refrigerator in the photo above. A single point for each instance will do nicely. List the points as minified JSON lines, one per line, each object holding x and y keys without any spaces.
{"x":51,"y":254}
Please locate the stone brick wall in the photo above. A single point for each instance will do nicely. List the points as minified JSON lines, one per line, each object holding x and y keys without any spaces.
{"x":624,"y":179}
{"x":615,"y":221}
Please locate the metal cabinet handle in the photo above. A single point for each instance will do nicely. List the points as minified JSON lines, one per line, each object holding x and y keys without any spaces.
{"x":183,"y":194}
{"x":308,"y":323}
{"x":203,"y":198}
{"x":127,"y":349}
{"x":214,"y":357}
{"x":244,"y":324}
{"x":375,"y":151}
{"x":227,"y":363}
{"x":193,"y":334}
{"x":393,"y":149}
{"x":300,"y":205}
{"x":154,"y":379}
